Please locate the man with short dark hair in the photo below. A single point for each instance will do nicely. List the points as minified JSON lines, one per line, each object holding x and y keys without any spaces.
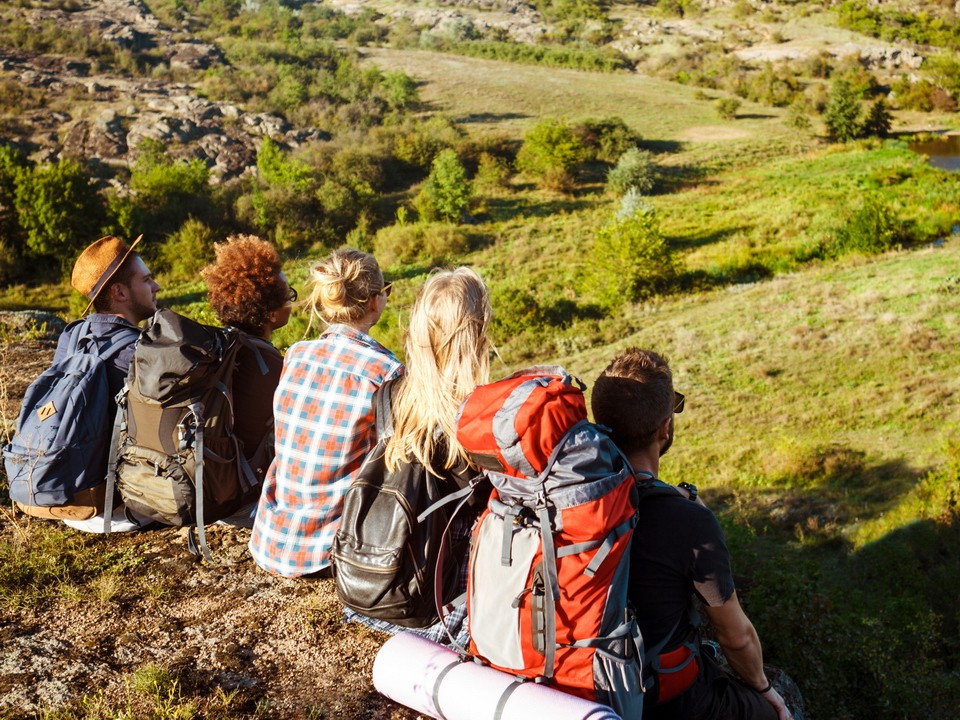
{"x":123,"y":293}
{"x":679,"y":551}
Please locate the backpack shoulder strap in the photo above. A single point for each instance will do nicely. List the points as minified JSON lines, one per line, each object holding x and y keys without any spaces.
{"x":382,"y":400}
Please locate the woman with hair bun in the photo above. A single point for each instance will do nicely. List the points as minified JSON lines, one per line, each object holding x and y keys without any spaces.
{"x":248,"y":291}
{"x":448,"y":354}
{"x":324,"y":415}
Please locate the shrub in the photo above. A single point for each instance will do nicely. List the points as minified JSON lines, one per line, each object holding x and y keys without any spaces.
{"x":550,"y":152}
{"x":843,"y":114}
{"x":634,"y":169}
{"x":797,"y":115}
{"x":420,"y":143}
{"x":166,"y":191}
{"x":873,"y":228}
{"x":606,"y":139}
{"x":727,"y":107}
{"x":430,"y":244}
{"x":630,"y":260}
{"x":58,"y":209}
{"x":186,"y":251}
{"x":446,"y":193}
{"x":493,"y":173}
{"x":401,"y":90}
{"x":516,"y":309}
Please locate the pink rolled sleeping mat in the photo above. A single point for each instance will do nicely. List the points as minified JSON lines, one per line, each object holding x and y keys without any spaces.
{"x":431,"y":679}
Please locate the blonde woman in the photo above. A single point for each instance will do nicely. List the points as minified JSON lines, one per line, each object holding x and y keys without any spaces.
{"x":448,"y":355}
{"x":323,"y":410}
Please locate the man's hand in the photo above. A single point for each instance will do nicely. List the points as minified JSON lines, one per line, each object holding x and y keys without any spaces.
{"x":773,"y":697}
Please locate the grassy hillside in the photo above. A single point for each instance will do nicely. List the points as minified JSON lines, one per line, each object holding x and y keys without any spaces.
{"x":823,"y":401}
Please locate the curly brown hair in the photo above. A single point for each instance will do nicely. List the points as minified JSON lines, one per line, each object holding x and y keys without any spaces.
{"x":244,"y":283}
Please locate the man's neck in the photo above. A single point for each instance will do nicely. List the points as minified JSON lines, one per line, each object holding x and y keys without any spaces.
{"x":645,"y":461}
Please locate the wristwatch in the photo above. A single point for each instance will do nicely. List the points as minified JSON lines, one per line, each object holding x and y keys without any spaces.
{"x":690,"y":488}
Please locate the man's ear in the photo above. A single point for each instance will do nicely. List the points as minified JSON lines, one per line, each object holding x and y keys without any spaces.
{"x":664,"y":431}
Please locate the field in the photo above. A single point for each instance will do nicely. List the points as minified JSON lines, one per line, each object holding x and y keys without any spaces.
{"x":821,"y":420}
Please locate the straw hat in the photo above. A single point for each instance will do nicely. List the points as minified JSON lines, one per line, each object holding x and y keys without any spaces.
{"x":98,"y":263}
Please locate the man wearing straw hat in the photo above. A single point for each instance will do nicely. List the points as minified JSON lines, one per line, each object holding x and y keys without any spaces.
{"x":122,"y":293}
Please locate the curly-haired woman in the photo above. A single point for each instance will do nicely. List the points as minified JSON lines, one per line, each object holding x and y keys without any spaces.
{"x":248,"y":291}
{"x":324,"y":414}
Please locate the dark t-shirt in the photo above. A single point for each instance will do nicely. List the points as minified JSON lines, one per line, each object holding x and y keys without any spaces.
{"x":253,"y":393}
{"x":678,"y":550}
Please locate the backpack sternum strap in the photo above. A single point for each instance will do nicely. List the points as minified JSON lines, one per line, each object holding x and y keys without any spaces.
{"x":605,"y":545}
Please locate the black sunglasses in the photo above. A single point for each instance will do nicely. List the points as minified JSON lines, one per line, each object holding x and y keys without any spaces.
{"x":292,"y":294}
{"x":678,"y":399}
{"x":387,"y":289}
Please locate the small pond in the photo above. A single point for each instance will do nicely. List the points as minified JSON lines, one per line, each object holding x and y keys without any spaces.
{"x":944,"y":152}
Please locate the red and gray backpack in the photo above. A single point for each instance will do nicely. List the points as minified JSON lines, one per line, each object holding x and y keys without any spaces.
{"x":547,"y":590}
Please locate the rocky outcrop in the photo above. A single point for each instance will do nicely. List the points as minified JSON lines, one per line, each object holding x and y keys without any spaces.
{"x":121,"y":112}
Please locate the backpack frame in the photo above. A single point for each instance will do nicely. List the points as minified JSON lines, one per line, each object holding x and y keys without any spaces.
{"x":550,"y":557}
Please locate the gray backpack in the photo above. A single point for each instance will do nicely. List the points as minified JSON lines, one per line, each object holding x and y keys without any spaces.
{"x":61,"y":445}
{"x":177,"y":459}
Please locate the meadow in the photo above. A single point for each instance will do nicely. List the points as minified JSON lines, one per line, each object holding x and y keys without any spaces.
{"x":822,"y":398}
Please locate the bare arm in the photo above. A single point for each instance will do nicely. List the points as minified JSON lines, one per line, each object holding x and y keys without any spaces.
{"x":741,"y":646}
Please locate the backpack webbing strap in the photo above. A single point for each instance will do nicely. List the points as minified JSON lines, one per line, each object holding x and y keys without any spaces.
{"x":443,"y":610}
{"x":552,"y":595}
{"x":549,"y":564}
{"x":384,"y":418}
{"x":510,"y":525}
{"x":624,"y":629}
{"x":504,"y":697}
{"x":605,"y":544}
{"x":435,"y":692}
{"x":196,"y":411}
{"x":119,"y":424}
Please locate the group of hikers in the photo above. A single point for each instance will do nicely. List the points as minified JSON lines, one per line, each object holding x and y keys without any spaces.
{"x":324,"y":406}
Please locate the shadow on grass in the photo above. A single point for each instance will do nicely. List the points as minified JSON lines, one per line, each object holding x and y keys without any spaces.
{"x":490,"y":118}
{"x":661,"y":147}
{"x":515,"y":207}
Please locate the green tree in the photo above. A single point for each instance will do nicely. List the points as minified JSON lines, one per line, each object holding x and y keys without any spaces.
{"x":166,"y":191}
{"x":634,"y":169}
{"x":630,"y":260}
{"x":58,"y":209}
{"x":843,"y":116}
{"x":401,"y":90}
{"x":550,"y":151}
{"x":878,"y":120}
{"x":446,"y":193}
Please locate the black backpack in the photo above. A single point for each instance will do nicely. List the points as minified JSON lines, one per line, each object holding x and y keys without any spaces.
{"x":390,"y":542}
{"x":176,"y":407}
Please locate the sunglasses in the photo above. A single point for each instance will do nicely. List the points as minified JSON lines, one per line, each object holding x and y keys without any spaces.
{"x":678,"y":399}
{"x":292,"y":295}
{"x":387,"y":289}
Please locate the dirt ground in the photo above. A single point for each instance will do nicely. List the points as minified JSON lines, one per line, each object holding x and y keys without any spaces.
{"x":279,"y":644}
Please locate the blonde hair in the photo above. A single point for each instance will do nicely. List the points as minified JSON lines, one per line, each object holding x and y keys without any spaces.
{"x":448,"y":355}
{"x":343,"y":285}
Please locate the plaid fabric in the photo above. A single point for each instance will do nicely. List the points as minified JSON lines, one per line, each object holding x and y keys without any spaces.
{"x":456,"y":621}
{"x":325,"y":427}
